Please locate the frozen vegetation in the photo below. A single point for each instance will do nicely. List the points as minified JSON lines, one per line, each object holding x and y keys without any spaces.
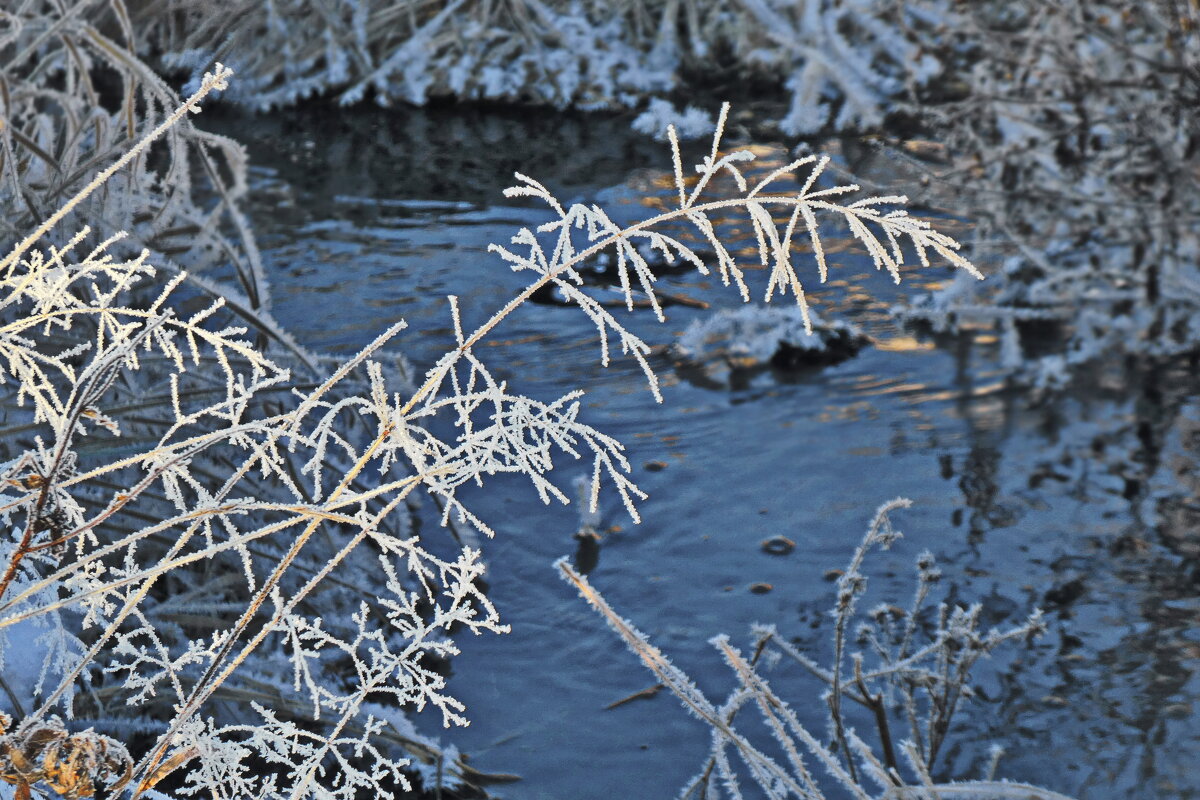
{"x":1075,"y":136}
{"x":187,"y":485}
{"x":271,"y":488}
{"x":1067,"y":131}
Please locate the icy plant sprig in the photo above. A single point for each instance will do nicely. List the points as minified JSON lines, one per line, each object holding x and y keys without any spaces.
{"x":934,"y":675}
{"x":938,"y":670}
{"x":555,"y":260}
{"x":462,"y":384}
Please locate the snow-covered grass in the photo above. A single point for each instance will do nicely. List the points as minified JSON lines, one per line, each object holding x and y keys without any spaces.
{"x":843,"y":62}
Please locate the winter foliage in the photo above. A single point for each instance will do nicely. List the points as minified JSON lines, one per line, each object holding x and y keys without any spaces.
{"x":1069,"y":128}
{"x":188,"y":488}
{"x":1075,"y":148}
{"x":184,"y":505}
{"x":242,"y":471}
{"x":919,"y":678}
{"x":778,"y":213}
{"x":845,"y":62}
{"x":583,"y":54}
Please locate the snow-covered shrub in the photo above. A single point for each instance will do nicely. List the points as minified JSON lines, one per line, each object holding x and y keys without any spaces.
{"x":180,"y":502}
{"x":918,"y":680}
{"x":846,"y":61}
{"x":180,"y":511}
{"x":1076,"y":143}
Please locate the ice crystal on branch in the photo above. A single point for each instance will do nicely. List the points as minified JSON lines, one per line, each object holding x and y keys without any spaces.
{"x":779,"y":214}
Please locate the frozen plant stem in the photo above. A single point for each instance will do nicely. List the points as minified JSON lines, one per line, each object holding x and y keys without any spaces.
{"x":850,"y":586}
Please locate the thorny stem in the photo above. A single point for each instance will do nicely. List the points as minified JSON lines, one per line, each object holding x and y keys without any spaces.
{"x":657,"y":663}
{"x":12,"y":698}
{"x":23,"y":547}
{"x":188,"y":448}
{"x":79,"y":401}
{"x":199,"y":694}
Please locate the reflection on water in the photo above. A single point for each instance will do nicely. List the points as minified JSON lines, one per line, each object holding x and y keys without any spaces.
{"x":1087,"y":505}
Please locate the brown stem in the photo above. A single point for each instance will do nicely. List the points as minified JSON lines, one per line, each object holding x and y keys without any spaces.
{"x":24,"y":548}
{"x":875,"y":703}
{"x":835,"y":697}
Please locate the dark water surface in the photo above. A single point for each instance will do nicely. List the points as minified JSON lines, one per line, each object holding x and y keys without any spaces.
{"x":1086,"y":505}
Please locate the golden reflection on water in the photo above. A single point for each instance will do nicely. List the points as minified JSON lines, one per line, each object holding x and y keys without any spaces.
{"x":903,"y":344}
{"x":849,"y":412}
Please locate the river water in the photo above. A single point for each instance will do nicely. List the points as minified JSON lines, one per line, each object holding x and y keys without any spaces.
{"x":1085,"y":504}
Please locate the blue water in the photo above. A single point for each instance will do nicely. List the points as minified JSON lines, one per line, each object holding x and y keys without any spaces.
{"x":1084,"y":504}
